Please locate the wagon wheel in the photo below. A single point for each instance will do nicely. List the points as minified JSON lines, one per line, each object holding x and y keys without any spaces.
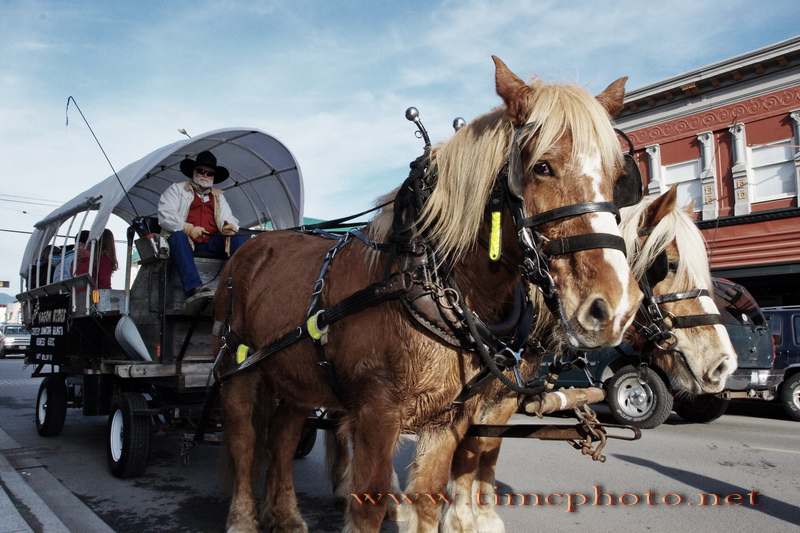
{"x":51,"y":406}
{"x":128,"y":443}
{"x":641,"y":401}
{"x":705,"y":408}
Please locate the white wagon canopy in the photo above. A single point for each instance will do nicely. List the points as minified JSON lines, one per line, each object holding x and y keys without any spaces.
{"x":265,"y":187}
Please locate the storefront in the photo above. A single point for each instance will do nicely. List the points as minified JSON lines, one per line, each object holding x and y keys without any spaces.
{"x":729,"y":135}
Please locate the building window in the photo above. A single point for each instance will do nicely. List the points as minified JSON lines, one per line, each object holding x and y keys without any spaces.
{"x":773,"y":171}
{"x":687,"y":175}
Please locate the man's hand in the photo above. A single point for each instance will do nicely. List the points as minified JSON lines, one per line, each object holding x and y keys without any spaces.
{"x":194,"y":232}
{"x":228,"y":229}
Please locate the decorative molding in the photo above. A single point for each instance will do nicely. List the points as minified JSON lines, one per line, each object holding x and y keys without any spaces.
{"x":714,"y":119}
{"x":654,"y":164}
{"x":708,"y":176}
{"x":739,"y":172}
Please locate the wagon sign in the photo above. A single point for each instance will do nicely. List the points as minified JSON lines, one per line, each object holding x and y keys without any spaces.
{"x":49,"y":328}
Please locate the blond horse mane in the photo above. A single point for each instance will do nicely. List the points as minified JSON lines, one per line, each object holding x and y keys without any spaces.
{"x":677,"y":226}
{"x":465,"y":168}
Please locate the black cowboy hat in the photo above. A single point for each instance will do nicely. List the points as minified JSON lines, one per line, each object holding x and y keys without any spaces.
{"x":205,"y":159}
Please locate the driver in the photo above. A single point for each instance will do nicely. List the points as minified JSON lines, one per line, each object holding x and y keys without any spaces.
{"x":195,"y":217}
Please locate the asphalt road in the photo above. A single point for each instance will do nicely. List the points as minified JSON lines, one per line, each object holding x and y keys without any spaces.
{"x":750,"y":458}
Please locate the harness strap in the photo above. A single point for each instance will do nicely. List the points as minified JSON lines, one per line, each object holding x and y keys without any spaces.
{"x":695,"y":320}
{"x":684,"y":295}
{"x":366,"y":297}
{"x":568,"y":211}
{"x":474,"y":386}
{"x":589,"y":241}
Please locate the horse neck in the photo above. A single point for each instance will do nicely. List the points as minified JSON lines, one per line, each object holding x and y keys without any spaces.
{"x":488,"y":286}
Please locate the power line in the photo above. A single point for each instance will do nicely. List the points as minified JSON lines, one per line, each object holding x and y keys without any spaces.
{"x":28,"y":197}
{"x":54,"y":204}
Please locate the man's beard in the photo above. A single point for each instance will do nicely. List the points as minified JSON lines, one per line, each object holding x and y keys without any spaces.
{"x":202,"y":183}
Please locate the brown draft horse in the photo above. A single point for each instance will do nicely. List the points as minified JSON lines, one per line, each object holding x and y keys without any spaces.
{"x":394,"y":375}
{"x":703,"y":362}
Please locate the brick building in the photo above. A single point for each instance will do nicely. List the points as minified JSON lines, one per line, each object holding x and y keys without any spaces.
{"x":729,"y":135}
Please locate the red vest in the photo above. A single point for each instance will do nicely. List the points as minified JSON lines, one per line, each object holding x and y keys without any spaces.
{"x":202,"y":214}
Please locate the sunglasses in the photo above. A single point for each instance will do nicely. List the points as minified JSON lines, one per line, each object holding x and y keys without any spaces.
{"x":204,"y":172}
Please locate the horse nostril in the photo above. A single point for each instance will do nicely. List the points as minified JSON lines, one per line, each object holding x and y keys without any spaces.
{"x":721,"y":371}
{"x":599,"y":311}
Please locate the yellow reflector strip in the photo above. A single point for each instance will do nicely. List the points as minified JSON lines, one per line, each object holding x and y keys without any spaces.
{"x":241,"y":353}
{"x":494,"y":238}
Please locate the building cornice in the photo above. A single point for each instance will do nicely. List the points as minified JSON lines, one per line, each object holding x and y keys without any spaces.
{"x":714,"y":117}
{"x":766,"y":70}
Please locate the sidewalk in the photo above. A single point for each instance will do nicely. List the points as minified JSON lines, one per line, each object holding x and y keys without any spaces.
{"x":33,"y":501}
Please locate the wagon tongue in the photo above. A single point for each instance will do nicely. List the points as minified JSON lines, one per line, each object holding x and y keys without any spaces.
{"x":588,"y":435}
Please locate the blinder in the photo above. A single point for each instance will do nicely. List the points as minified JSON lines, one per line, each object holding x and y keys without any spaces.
{"x":658,"y":269}
{"x":628,"y":189}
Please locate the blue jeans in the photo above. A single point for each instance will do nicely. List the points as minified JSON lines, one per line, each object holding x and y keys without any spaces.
{"x":183,"y":256}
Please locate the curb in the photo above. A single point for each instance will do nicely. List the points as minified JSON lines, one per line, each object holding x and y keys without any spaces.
{"x":33,"y":500}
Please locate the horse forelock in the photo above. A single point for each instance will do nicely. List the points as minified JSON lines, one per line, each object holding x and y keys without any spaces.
{"x":675,"y":228}
{"x":559,"y":110}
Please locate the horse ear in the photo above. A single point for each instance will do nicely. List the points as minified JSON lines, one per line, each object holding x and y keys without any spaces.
{"x":661,"y":207}
{"x":611,"y":98}
{"x":690,"y":208}
{"x":513,"y":91}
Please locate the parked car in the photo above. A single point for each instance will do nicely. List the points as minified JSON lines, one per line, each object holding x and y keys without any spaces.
{"x":14,"y":338}
{"x":784,"y":323}
{"x":644,"y":396}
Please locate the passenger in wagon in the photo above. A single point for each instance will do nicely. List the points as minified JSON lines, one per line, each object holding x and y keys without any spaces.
{"x":195,"y":217}
{"x":105,"y":260}
{"x":67,"y":266}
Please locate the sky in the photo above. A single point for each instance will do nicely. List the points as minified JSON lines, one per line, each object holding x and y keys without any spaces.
{"x":330,"y":79}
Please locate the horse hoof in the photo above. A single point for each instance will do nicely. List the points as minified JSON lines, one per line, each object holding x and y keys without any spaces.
{"x":242,"y":528}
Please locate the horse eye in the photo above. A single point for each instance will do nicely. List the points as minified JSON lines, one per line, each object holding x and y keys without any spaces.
{"x":543,"y":169}
{"x":673,"y":266}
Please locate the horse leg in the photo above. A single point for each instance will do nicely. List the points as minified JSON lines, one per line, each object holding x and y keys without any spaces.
{"x":430,"y":474}
{"x":238,"y":398}
{"x":374,"y":434}
{"x":392,"y":507}
{"x":337,"y":463}
{"x":473,"y":473}
{"x":279,"y":512}
{"x":487,"y":450}
{"x":461,"y":518}
{"x":486,"y":518}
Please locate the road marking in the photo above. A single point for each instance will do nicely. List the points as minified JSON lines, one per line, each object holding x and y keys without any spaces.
{"x":773,"y":450}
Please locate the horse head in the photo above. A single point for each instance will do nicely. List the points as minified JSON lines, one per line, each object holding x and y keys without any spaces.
{"x":679,"y":323}
{"x":564,"y":166}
